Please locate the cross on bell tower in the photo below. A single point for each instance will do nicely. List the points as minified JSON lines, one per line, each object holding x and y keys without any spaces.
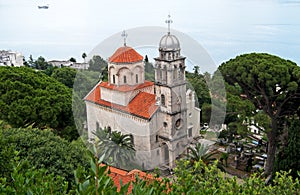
{"x":124,"y":35}
{"x":169,"y":22}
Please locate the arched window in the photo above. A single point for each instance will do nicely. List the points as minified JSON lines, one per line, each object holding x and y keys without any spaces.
{"x":125,"y":79}
{"x":137,"y":78}
{"x":163,"y":99}
{"x":159,"y":73}
{"x":175,"y":73}
{"x":114,"y":79}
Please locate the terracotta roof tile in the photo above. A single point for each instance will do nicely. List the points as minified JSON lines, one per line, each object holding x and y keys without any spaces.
{"x":125,"y":177}
{"x":125,"y":55}
{"x":142,"y":105}
{"x":124,"y":88}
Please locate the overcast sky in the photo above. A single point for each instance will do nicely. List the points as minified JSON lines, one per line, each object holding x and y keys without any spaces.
{"x":225,"y":28}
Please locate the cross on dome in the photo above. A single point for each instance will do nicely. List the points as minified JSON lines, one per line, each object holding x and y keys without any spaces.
{"x":169,"y":22}
{"x":124,"y":35}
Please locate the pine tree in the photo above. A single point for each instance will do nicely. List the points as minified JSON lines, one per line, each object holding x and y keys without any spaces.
{"x":288,"y":157}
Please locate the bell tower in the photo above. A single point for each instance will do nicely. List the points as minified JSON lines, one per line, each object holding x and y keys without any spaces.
{"x":170,"y":89}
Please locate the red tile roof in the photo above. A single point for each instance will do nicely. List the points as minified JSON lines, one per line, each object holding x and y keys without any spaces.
{"x":119,"y":175}
{"x":124,"y":88}
{"x":124,"y":55}
{"x":142,"y":105}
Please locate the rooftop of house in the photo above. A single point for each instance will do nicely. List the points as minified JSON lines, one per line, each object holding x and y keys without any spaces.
{"x":142,"y":105}
{"x":119,"y":175}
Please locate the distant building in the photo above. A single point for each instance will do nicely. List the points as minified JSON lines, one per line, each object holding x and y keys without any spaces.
{"x":60,"y":63}
{"x":11,"y":58}
{"x":80,"y":66}
{"x":67,"y":63}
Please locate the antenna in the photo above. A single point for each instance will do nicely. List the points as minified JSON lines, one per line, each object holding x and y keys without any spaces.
{"x":124,"y":35}
{"x":169,"y":22}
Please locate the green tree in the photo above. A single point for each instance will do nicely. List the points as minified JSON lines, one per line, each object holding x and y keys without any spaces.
{"x":26,"y":179}
{"x":31,"y":98}
{"x":149,"y":71}
{"x":97,"y":63}
{"x":44,"y":150}
{"x":72,"y":59}
{"x":118,"y":148}
{"x":84,"y":56}
{"x":65,"y":75}
{"x":198,"y":84}
{"x":196,"y":69}
{"x":288,"y":156}
{"x":40,"y":63}
{"x":272,"y":85}
{"x":200,"y":152}
{"x":100,"y":66}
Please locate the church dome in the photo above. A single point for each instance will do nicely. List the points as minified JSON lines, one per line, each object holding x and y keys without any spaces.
{"x":125,"y":54}
{"x":169,"y":43}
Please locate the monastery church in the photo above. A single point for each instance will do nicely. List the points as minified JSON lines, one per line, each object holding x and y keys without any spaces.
{"x":161,"y":116}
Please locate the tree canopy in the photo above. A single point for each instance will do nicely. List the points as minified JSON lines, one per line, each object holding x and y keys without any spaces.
{"x":31,"y":98}
{"x":272,"y":84}
{"x":44,"y":150}
{"x":65,"y":75}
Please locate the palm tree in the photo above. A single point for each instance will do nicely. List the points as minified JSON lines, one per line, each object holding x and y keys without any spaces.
{"x":200,"y":152}
{"x":118,"y":148}
{"x":84,"y":56}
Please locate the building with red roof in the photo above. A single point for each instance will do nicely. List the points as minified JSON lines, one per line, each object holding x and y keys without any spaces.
{"x":122,"y":177}
{"x":161,"y":116}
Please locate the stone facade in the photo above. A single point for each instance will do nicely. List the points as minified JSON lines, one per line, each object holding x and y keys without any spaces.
{"x":161,"y":116}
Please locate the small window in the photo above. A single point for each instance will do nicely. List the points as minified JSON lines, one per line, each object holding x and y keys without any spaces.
{"x":156,"y":138}
{"x":165,"y":124}
{"x":114,"y":79}
{"x":190,"y":132}
{"x":163,"y":100}
{"x":125,"y":79}
{"x":97,"y":126}
{"x":137,"y":78}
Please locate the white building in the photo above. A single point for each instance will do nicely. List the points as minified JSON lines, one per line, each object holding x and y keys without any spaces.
{"x":67,"y":63}
{"x":11,"y":58}
{"x":161,"y":116}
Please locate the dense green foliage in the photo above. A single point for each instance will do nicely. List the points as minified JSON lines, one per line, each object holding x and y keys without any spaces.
{"x":149,"y":71}
{"x":288,"y":156}
{"x":65,"y":75}
{"x":118,"y":148}
{"x":25,"y":179}
{"x":44,"y":150}
{"x":272,"y":84}
{"x":198,"y":83}
{"x":39,"y":64}
{"x":98,"y":64}
{"x":31,"y":98}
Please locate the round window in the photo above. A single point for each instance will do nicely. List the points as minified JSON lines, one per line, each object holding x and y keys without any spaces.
{"x":178,"y":124}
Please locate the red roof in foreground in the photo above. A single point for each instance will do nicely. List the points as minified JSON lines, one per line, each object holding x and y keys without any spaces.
{"x":124,"y":55}
{"x":142,"y":105}
{"x":118,"y":175}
